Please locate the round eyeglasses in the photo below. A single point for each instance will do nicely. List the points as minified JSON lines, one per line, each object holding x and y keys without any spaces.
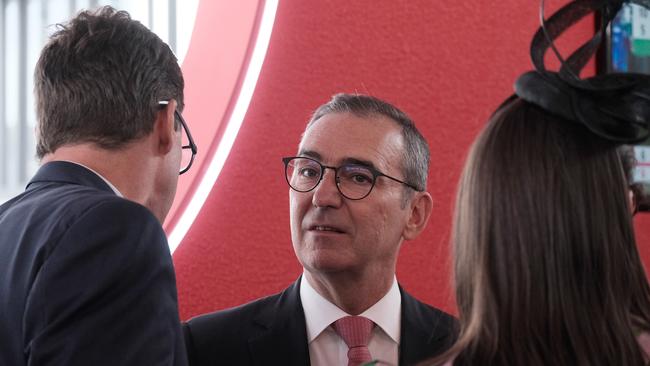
{"x":354,"y":181}
{"x":188,"y":146}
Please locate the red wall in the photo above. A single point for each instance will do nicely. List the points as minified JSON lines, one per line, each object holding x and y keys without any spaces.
{"x":448,"y":64}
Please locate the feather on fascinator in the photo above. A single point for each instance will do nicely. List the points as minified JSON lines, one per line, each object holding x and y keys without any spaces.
{"x":614,"y":106}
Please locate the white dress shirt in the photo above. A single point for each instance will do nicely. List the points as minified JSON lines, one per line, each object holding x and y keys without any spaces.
{"x":117,"y":192}
{"x":326,"y":348}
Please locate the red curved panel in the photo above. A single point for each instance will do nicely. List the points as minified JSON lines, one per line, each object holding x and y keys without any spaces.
{"x":448,"y":64}
{"x":219,"y":51}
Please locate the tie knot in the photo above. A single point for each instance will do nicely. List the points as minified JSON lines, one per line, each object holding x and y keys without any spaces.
{"x":355,"y":330}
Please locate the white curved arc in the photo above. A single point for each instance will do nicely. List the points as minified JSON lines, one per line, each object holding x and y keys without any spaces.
{"x":234,"y":123}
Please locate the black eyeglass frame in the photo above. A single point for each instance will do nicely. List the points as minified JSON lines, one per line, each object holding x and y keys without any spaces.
{"x":375,"y":174}
{"x":192,"y":146}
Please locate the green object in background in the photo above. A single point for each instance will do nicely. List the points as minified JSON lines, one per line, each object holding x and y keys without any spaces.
{"x":640,"y":47}
{"x":640,"y":22}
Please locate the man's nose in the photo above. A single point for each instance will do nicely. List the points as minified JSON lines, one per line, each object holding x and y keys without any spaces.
{"x":326,"y":193}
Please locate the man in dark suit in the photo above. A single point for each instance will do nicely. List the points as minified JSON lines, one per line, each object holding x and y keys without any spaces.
{"x":357,"y":191}
{"x":86,"y":276}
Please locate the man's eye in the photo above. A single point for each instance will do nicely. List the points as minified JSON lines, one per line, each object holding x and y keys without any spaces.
{"x":308,"y":172}
{"x":356,"y":175}
{"x":360,"y":179}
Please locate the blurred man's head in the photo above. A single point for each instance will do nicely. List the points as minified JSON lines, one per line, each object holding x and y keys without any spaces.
{"x":99,"y":79}
{"x":99,"y":82}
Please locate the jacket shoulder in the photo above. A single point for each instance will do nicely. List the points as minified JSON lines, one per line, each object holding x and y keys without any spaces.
{"x":442,"y":321}
{"x":222,"y":337}
{"x":439,"y":321}
{"x":220,"y":323}
{"x":426,"y":330}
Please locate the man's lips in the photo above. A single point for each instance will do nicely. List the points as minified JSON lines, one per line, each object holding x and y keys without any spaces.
{"x":326,"y":229}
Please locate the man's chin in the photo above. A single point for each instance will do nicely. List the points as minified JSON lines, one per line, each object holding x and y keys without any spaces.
{"x":324,"y":262}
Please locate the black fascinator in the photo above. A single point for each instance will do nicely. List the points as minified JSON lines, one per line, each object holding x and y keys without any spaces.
{"x":614,"y":106}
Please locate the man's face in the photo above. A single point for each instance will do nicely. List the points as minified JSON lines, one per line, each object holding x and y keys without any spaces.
{"x":333,"y":234}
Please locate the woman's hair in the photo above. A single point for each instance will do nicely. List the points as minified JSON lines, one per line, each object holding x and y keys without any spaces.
{"x":546,"y":266}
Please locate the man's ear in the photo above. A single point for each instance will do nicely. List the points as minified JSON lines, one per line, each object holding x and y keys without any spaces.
{"x":420,"y":206}
{"x":163,"y":129}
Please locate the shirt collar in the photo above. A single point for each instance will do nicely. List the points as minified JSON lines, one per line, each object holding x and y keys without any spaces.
{"x":320,"y":313}
{"x":117,"y":192}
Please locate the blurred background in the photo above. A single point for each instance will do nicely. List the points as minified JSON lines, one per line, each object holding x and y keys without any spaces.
{"x":25,"y":27}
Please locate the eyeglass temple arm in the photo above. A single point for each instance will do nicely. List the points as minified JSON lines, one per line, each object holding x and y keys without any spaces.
{"x":399,"y":181}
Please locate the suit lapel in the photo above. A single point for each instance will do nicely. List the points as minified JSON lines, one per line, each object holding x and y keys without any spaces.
{"x":283,"y":340}
{"x":425,"y":331}
{"x":423,"y":334}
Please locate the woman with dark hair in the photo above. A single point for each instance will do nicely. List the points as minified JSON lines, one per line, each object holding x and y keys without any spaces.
{"x":547,"y":270}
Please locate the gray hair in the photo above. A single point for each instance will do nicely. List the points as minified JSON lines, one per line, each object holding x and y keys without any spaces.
{"x":415,"y":159}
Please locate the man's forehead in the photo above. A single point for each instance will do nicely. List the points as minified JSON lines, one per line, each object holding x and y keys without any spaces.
{"x":351,"y":126}
{"x":357,"y":160}
{"x":340,"y":138}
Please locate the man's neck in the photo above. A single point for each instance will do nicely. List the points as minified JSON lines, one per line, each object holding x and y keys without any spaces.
{"x":123,"y":168}
{"x":352,"y":294}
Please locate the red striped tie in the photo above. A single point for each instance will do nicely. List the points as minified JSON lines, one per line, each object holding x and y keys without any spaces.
{"x":355,"y":331}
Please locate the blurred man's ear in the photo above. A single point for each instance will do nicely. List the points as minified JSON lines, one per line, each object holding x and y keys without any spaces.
{"x":420,"y":208}
{"x":163,"y":128}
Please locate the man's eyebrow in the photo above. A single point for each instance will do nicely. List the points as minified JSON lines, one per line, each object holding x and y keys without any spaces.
{"x":355,"y":161}
{"x":310,"y":154}
{"x":347,"y":161}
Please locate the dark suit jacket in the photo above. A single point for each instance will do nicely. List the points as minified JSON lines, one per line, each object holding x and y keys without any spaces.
{"x":272,"y":331}
{"x":86,"y":277}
